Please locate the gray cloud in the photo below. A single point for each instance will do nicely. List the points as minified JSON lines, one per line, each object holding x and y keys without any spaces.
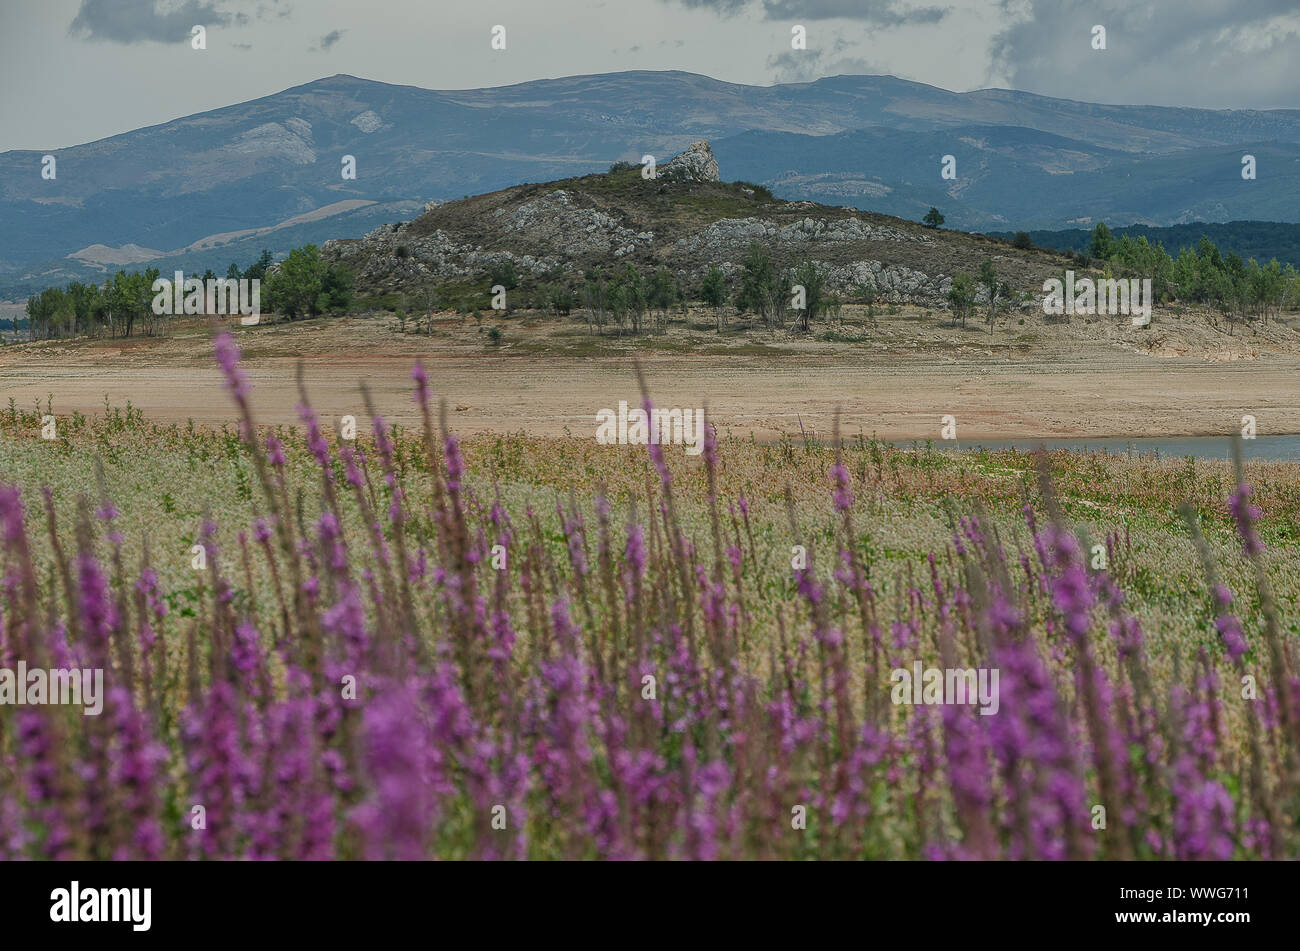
{"x":874,"y":12}
{"x":881,"y":13}
{"x":722,"y":6}
{"x":329,"y":39}
{"x":805,"y":66}
{"x":151,"y":21}
{"x":1162,"y":52}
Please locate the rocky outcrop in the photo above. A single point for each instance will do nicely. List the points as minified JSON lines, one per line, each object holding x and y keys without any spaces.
{"x":893,"y":284}
{"x":555,"y":220}
{"x":390,"y":257}
{"x":731,"y":236}
{"x":696,"y":164}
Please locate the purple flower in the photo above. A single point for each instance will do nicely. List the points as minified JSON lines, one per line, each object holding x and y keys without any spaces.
{"x":227,"y":354}
{"x":1246,"y":515}
{"x":843,"y":492}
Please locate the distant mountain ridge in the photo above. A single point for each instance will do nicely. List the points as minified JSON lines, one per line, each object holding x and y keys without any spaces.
{"x":872,"y":142}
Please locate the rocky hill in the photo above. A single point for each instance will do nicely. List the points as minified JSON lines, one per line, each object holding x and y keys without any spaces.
{"x":685,"y":219}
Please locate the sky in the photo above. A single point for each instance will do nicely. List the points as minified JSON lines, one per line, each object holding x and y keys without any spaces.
{"x":73,"y":71}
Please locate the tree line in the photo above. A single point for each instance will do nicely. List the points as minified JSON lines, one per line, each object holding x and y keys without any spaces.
{"x":626,"y":299}
{"x":301,"y":285}
{"x":1203,"y":275}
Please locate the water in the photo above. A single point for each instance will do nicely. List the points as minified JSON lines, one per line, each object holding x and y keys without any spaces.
{"x":1273,"y":448}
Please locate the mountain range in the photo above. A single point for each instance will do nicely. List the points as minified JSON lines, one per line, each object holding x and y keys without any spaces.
{"x":208,"y":189}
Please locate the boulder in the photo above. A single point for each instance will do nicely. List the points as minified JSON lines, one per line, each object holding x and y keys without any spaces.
{"x":696,"y":164}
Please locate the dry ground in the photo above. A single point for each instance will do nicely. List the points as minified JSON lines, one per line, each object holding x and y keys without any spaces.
{"x":894,"y":377}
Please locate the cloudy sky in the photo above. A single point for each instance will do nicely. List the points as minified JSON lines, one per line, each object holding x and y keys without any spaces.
{"x":72,"y":71}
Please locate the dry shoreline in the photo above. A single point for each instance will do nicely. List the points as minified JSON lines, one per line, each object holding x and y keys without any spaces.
{"x":899,"y":399}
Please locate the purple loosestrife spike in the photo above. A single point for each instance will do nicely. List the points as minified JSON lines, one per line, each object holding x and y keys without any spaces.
{"x":216,"y":763}
{"x":1072,"y":595}
{"x":315,"y":438}
{"x":421,"y":383}
{"x":98,"y":611}
{"x":1227,"y":624}
{"x":347,"y":621}
{"x":1246,"y":516}
{"x":397,"y":819}
{"x":42,"y":774}
{"x":843,"y":491}
{"x":354,"y":476}
{"x":11,"y":518}
{"x":275,"y":451}
{"x":573,"y":532}
{"x":808,"y":587}
{"x":635,"y":553}
{"x":1124,"y":627}
{"x":136,"y":763}
{"x":710,"y":445}
{"x":455,"y":462}
{"x":656,"y":450}
{"x":1203,"y":814}
{"x":1031,"y":739}
{"x":148,"y":586}
{"x":227,"y":354}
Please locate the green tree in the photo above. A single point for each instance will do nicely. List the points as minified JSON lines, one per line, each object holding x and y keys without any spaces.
{"x":988,"y":278}
{"x":810,"y":277}
{"x":757,"y":282}
{"x":87,"y":302}
{"x":1103,"y":243}
{"x":961,"y":296}
{"x":336,"y":291}
{"x":295,"y":287}
{"x":628,"y":296}
{"x":933,"y":219}
{"x":560,"y":299}
{"x":141,"y":286}
{"x":595,"y":293}
{"x":42,"y":311}
{"x":661,"y":293}
{"x":714,"y":292}
{"x":503,"y":272}
{"x":257,"y":270}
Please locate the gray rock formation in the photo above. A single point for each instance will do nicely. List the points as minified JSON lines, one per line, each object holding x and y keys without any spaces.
{"x":731,"y":236}
{"x":696,"y":164}
{"x":554,"y":219}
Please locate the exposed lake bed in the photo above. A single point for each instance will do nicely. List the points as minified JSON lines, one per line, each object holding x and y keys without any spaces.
{"x":551,"y":378}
